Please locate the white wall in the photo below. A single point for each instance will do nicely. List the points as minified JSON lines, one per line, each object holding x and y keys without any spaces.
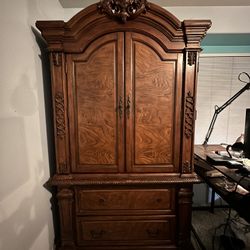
{"x":225,"y":19}
{"x":25,"y":214}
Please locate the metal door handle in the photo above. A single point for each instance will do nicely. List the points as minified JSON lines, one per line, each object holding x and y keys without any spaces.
{"x":153,"y":233}
{"x":120,"y":107}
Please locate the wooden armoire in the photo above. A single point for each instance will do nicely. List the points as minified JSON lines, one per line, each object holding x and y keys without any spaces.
{"x":124,"y":76}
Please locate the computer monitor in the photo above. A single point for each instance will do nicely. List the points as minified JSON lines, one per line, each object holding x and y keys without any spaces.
{"x":247,"y":134}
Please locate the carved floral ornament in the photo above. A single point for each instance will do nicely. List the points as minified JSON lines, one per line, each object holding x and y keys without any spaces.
{"x":59,"y":110}
{"x":123,"y":9}
{"x":189,"y":115}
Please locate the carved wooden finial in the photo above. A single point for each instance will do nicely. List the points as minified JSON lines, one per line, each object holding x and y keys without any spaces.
{"x":123,"y":9}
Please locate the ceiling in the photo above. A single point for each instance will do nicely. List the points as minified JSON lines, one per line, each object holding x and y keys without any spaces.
{"x":164,"y":3}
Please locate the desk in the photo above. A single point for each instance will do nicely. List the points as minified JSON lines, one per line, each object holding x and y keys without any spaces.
{"x":239,"y":202}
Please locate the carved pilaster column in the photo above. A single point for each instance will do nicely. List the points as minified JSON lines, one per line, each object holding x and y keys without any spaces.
{"x":189,"y":110}
{"x":60,"y":112}
{"x":65,"y":202}
{"x":184,"y":216}
{"x":194,"y":32}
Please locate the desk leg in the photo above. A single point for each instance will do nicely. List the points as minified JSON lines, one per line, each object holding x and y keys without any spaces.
{"x":212,"y":201}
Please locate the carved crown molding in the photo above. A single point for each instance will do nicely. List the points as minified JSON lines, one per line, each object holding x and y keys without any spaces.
{"x":195,"y":30}
{"x":73,"y":36}
{"x":123,"y":9}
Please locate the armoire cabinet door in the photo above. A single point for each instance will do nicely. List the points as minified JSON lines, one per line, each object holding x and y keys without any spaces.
{"x":136,"y":94}
{"x":96,"y":111}
{"x":153,"y":105}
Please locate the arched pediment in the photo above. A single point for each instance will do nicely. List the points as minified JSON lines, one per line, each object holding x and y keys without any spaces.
{"x":103,"y":18}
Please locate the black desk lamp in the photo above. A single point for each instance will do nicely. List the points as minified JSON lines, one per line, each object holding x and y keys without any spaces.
{"x":217,"y":109}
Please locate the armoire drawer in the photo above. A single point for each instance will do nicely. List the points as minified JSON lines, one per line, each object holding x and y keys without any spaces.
{"x":92,"y":232}
{"x":125,"y":199}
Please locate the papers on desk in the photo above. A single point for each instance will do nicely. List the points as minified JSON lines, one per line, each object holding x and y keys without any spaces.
{"x":231,"y":187}
{"x":218,"y":173}
{"x":223,"y":160}
{"x":241,"y":190}
{"x":214,"y":173}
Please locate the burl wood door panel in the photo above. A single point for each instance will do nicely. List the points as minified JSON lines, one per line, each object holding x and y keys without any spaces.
{"x":95,"y":88}
{"x":153,"y":93}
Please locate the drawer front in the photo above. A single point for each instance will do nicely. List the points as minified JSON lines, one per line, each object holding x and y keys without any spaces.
{"x":120,"y":231}
{"x":137,"y":199}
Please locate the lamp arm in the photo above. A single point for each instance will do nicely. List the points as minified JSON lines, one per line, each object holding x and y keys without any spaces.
{"x":217,"y":110}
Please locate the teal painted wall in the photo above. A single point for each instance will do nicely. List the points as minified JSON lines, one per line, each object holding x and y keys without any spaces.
{"x":226,"y":43}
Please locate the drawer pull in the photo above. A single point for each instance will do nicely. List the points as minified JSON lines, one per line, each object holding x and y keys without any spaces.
{"x":159,"y":200}
{"x":153,"y":233}
{"x":101,"y":201}
{"x":97,"y":234}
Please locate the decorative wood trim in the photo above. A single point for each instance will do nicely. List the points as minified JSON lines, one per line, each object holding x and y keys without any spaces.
{"x":65,"y":200}
{"x":189,"y":115}
{"x":63,"y":167}
{"x":75,"y":35}
{"x":184,"y":215}
{"x":187,"y":168}
{"x":60,"y":113}
{"x":192,"y":55}
{"x":195,"y":30}
{"x":65,"y":194}
{"x":62,"y":180}
{"x":123,"y":9}
{"x":57,"y":59}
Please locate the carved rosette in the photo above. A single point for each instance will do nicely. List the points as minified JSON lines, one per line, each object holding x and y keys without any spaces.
{"x":59,"y":110}
{"x":123,"y":9}
{"x":189,"y":115}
